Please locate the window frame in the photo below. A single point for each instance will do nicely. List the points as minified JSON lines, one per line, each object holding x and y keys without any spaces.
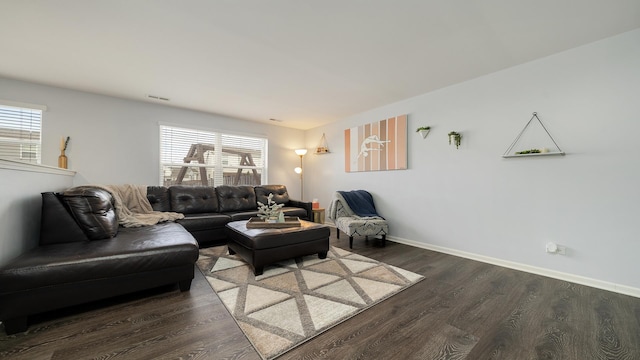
{"x":23,"y":144}
{"x":218,"y":166}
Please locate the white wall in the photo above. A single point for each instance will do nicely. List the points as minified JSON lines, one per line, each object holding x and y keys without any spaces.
{"x":472,"y":201}
{"x":113,"y":141}
{"x":21,"y":204}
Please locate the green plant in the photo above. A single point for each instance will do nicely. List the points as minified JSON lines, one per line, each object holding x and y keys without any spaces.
{"x":269,"y":211}
{"x":455,"y":137}
{"x":423,"y":128}
{"x":532,"y":151}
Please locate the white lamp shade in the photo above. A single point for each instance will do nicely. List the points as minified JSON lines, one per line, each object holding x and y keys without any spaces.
{"x":298,"y":170}
{"x":301,"y":152}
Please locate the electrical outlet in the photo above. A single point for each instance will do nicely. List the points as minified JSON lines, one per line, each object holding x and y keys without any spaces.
{"x":553,"y":248}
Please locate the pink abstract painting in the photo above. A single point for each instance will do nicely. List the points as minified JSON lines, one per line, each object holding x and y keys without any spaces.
{"x":376,"y":146}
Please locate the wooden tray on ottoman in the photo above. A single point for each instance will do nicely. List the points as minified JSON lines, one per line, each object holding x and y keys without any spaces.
{"x":257,"y":223}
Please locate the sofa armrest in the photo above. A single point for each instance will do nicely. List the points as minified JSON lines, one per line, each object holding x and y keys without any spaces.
{"x":304,"y":205}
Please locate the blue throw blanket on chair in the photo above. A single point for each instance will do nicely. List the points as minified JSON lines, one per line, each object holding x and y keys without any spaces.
{"x":360,"y":201}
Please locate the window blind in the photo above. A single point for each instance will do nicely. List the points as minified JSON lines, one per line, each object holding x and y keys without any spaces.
{"x":20,"y":133}
{"x":196,"y":157}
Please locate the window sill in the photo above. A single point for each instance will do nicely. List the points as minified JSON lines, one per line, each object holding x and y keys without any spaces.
{"x":44,"y":169}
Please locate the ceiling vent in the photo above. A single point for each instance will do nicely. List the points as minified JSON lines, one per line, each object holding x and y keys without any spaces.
{"x":154,"y":97}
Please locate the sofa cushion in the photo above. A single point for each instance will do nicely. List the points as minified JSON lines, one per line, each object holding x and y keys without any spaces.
{"x":236,"y":198}
{"x":295,"y":211}
{"x":280,"y":194}
{"x":158,"y":197}
{"x":198,"y":222}
{"x":193,"y":199}
{"x":243,"y":215}
{"x":93,"y":210}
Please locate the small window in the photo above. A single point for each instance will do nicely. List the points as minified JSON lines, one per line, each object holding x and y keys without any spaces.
{"x":196,"y":157}
{"x":20,"y":133}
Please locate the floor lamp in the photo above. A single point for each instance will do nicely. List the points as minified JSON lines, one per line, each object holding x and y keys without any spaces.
{"x":298,"y":170}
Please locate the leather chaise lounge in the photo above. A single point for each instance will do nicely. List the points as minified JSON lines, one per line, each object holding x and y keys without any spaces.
{"x":85,"y":256}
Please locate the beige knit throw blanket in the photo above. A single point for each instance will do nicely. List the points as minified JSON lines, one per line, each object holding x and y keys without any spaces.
{"x":133,"y":207}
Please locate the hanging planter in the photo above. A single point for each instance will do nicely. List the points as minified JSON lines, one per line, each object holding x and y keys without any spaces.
{"x":423,"y":131}
{"x":454,"y":138}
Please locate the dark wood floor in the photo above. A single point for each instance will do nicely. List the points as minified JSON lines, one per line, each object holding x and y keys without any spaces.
{"x":463,"y":310}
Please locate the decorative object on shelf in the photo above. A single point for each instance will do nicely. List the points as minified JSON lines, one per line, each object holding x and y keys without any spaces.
{"x":376,"y":146}
{"x":423,"y":130}
{"x":270,"y":212}
{"x":455,"y":138}
{"x":62,"y":159}
{"x":322,"y":147}
{"x":298,"y":170}
{"x":532,"y":152}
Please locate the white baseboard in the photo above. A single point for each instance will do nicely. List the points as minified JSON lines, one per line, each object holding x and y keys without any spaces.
{"x":604,"y":285}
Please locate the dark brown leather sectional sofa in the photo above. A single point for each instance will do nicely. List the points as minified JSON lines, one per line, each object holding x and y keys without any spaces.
{"x":207,"y":210}
{"x":83,"y":254}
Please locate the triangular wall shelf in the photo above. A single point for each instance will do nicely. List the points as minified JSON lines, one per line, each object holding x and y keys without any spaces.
{"x":510,"y":154}
{"x":322,"y":147}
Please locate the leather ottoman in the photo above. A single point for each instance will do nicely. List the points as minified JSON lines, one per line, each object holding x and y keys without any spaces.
{"x":261,"y":247}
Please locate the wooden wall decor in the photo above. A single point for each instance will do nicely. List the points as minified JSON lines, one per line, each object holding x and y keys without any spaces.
{"x":377,"y":146}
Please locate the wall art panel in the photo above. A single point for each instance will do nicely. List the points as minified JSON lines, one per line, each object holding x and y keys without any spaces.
{"x":377,"y":146}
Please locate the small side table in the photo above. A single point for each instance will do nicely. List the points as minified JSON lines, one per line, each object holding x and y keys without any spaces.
{"x":318,"y":215}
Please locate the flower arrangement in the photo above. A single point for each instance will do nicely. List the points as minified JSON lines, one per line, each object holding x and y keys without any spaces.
{"x":269,"y":211}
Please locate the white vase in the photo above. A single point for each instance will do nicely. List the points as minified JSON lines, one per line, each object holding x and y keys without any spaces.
{"x":424,"y":133}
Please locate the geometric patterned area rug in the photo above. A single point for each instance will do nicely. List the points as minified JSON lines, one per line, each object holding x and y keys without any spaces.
{"x":296,"y":300}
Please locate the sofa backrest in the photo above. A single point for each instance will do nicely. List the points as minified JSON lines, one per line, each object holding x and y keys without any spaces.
{"x":158,"y":197}
{"x":193,"y":199}
{"x":207,"y":199}
{"x":57,"y":226}
{"x":236,"y":198}
{"x":280,"y":194}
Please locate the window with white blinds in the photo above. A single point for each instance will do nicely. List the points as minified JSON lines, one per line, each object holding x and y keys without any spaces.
{"x":195,"y":157}
{"x":20,"y":133}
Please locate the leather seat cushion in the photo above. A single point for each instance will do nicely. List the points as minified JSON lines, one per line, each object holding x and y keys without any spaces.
{"x":295,"y":211}
{"x":288,"y":211}
{"x":198,"y":222}
{"x":243,"y":215}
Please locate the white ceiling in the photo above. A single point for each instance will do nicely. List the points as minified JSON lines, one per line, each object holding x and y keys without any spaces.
{"x":303,"y":62}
